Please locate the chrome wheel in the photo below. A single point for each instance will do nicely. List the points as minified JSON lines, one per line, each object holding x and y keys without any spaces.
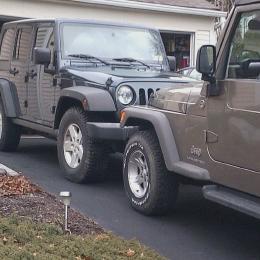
{"x":138,"y":175}
{"x":1,"y":124}
{"x":72,"y":146}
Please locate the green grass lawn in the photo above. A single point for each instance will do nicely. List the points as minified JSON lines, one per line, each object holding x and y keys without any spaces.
{"x":23,"y":239}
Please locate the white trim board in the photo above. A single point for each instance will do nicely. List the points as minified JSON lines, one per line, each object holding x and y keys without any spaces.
{"x":151,"y":7}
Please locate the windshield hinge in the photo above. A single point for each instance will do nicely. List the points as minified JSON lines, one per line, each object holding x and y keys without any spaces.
{"x":109,"y":82}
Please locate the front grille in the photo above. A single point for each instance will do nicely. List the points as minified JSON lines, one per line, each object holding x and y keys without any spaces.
{"x":145,"y":94}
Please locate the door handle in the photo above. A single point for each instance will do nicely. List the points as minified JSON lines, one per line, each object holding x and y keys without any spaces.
{"x":13,"y":71}
{"x":32,"y":74}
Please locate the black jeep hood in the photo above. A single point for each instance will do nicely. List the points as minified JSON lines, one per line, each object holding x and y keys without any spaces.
{"x":101,"y":75}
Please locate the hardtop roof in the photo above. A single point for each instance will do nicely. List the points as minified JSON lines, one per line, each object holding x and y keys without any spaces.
{"x":67,"y":20}
{"x":246,"y":2}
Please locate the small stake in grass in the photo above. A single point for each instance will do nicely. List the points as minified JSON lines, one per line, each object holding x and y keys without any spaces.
{"x":66,"y":198}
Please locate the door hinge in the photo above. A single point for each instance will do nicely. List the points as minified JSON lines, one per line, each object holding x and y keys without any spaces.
{"x":55,"y":82}
{"x":210,"y":137}
{"x":26,"y":78}
{"x":53,"y":109}
{"x":25,"y":103}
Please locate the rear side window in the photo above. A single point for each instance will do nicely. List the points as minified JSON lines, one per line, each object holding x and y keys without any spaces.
{"x":22,"y":44}
{"x":6,"y":45}
{"x":43,"y":37}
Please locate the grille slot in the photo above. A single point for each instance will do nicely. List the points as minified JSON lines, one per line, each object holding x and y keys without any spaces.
{"x":144,"y":95}
{"x":150,"y":92}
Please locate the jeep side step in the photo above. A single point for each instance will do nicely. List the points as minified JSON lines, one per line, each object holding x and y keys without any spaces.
{"x":233,"y":199}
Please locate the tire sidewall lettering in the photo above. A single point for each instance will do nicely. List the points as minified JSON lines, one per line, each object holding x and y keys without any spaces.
{"x":139,"y":202}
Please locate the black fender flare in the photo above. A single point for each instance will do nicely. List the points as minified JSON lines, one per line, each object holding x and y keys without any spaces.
{"x":166,"y":140}
{"x":92,"y":99}
{"x":9,"y":98}
{"x":162,"y":128}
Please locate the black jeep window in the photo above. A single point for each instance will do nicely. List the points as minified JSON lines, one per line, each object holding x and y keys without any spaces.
{"x":6,"y":45}
{"x":244,"y":58}
{"x":45,"y":39}
{"x":22,"y":44}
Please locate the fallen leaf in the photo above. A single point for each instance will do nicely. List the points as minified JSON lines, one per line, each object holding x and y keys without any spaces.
{"x":5,"y":240}
{"x":16,"y":185}
{"x":130,"y":253}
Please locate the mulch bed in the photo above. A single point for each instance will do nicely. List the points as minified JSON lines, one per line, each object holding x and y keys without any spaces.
{"x":18,"y":196}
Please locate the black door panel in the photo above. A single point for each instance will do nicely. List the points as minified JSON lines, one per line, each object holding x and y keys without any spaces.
{"x":40,"y":84}
{"x":19,"y":64}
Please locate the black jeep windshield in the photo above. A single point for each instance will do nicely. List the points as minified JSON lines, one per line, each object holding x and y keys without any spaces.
{"x":112,"y":42}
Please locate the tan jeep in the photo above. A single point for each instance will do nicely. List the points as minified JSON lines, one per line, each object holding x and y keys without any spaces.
{"x":208,"y":132}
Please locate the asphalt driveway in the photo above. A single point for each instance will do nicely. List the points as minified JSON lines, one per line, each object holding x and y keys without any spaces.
{"x":198,"y":229}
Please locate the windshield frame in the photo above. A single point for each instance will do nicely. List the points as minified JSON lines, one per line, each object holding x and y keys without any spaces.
{"x":164,"y":63}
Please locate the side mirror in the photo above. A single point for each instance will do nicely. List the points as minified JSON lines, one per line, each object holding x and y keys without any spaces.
{"x":206,"y":65}
{"x":206,"y":61}
{"x":41,"y":56}
{"x":172,"y":62}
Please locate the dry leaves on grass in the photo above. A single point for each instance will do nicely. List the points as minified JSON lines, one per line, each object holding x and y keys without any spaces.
{"x":130,"y":253}
{"x":16,"y":185}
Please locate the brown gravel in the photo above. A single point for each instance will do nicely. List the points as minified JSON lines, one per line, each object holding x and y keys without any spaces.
{"x":45,"y":208}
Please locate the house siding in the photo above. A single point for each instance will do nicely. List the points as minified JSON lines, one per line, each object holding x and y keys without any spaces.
{"x":194,"y":24}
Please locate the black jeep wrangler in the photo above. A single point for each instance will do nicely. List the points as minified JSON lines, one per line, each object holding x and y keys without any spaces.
{"x":67,"y":79}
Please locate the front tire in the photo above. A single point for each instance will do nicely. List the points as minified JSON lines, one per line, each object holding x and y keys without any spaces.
{"x":10,"y":134}
{"x":81,"y":158}
{"x":150,"y":188}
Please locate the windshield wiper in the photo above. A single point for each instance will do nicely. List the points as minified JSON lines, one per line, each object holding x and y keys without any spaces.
{"x":132,"y":60}
{"x":88,"y":57}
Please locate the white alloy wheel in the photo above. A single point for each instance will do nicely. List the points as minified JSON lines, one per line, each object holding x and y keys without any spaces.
{"x":138,"y":175}
{"x":72,"y":146}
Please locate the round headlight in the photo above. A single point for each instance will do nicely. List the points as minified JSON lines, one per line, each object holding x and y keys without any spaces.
{"x":125,"y":95}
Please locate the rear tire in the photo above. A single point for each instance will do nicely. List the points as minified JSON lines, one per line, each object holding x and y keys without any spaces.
{"x":10,"y":134}
{"x":150,"y":187}
{"x":83,"y":159}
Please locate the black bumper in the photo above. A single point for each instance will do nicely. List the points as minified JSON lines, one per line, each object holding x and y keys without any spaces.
{"x":110,"y":131}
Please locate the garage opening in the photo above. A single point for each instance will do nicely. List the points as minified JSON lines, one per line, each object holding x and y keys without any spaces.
{"x":178,"y":45}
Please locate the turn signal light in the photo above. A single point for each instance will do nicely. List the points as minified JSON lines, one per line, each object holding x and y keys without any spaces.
{"x":122,"y":116}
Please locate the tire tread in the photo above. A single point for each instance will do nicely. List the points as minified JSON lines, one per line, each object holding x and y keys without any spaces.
{"x":96,"y":160}
{"x":11,"y":133}
{"x":164,"y":196}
